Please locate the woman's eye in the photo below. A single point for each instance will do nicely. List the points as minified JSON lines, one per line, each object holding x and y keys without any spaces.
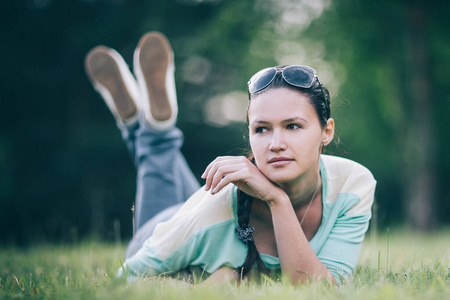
{"x":260,"y":129}
{"x":294,"y":126}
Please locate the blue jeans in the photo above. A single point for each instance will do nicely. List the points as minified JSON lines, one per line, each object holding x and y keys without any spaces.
{"x":164,"y":179}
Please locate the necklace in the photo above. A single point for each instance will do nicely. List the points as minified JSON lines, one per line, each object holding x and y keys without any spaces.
{"x":310,"y":202}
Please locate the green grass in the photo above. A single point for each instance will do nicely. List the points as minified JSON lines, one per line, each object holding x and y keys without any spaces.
{"x":398,"y":265}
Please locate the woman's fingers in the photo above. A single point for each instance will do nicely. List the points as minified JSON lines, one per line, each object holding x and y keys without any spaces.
{"x":220,"y":167}
{"x":229,"y":178}
{"x":211,"y":165}
{"x":206,"y":174}
{"x":213,"y":169}
{"x":242,"y":173}
{"x":222,"y":172}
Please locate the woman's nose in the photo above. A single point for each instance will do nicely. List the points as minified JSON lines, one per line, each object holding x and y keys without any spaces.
{"x":277,"y":142}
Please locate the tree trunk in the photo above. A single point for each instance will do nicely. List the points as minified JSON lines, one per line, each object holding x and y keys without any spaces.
{"x":421,"y":189}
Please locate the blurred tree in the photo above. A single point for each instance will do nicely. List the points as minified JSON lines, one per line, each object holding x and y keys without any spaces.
{"x":386,"y":48}
{"x":64,"y":172}
{"x":422,"y":182}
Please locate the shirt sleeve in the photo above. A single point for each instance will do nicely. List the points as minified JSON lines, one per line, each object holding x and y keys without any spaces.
{"x":188,"y":238}
{"x":341,"y":250}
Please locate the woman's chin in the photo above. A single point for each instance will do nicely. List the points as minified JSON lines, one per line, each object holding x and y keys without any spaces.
{"x":282,"y":179}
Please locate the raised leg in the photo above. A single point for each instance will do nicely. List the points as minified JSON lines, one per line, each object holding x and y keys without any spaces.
{"x":164,"y":178}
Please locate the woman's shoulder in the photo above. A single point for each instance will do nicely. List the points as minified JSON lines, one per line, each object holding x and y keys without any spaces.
{"x":350,"y":180}
{"x":343,"y":167}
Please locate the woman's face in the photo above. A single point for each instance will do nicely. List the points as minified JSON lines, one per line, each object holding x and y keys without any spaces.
{"x":285,"y":135}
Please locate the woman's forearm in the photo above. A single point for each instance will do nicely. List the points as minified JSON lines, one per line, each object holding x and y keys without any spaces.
{"x":297,"y":258}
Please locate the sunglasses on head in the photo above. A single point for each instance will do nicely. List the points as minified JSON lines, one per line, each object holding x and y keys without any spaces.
{"x":296,"y":75}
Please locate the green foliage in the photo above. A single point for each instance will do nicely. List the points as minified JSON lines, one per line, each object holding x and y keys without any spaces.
{"x":418,"y":268}
{"x":393,"y":53}
{"x":64,"y":172}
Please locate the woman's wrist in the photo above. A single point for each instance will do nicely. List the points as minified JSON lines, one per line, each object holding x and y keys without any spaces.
{"x":279,"y":198}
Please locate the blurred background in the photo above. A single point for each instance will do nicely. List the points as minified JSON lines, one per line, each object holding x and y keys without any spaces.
{"x":65,"y":174}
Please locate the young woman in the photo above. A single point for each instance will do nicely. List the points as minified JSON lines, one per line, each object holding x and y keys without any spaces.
{"x":287,"y":210}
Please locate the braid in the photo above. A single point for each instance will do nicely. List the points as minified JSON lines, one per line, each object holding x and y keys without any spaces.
{"x":244,"y":210}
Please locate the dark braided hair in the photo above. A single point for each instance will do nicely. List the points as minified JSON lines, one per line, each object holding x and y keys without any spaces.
{"x":244,"y":209}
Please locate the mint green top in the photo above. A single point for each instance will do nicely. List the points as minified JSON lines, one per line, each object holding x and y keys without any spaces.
{"x":201,"y":235}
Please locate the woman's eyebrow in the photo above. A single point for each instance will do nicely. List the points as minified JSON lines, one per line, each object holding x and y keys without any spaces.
{"x":260,"y":122}
{"x":294,"y":119}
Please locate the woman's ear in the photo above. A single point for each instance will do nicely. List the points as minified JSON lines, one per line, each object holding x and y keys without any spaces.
{"x":328,"y":132}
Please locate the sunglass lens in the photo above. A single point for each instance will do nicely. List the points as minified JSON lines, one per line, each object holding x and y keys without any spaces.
{"x":301,"y":76}
{"x":261,"y":80}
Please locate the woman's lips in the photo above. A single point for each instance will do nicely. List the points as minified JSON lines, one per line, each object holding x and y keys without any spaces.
{"x":280,"y":161}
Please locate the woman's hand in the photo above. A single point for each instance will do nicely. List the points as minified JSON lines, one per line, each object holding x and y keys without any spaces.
{"x":221,"y":277}
{"x":242,"y":173}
